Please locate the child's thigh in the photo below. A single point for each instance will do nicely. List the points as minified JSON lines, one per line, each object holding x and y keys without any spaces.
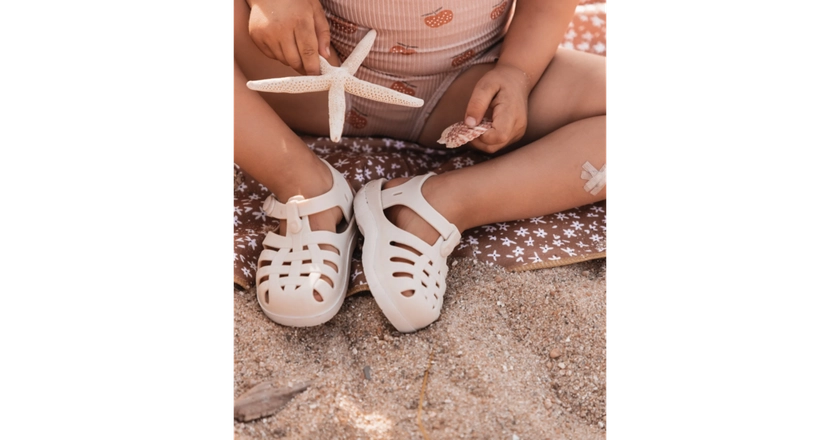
{"x":572,"y":88}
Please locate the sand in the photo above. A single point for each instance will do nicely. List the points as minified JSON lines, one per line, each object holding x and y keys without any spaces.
{"x":515,"y":355}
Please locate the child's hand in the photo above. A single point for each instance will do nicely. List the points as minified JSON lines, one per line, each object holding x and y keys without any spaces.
{"x":293,"y":32}
{"x":505,"y":89}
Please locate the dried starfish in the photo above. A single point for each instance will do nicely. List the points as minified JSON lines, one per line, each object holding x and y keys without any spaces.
{"x":338,"y":80}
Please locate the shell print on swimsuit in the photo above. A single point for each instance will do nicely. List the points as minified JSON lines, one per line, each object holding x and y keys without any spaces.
{"x":338,"y":80}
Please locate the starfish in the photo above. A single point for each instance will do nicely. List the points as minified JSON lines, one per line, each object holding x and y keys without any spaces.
{"x":338,"y":80}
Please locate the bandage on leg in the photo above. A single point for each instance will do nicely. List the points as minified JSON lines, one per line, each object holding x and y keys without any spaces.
{"x":595,"y":179}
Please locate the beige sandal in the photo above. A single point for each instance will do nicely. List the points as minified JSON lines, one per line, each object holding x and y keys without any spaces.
{"x":390,"y":267}
{"x":292,"y":267}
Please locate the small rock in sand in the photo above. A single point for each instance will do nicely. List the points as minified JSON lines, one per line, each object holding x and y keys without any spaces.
{"x":562,"y":366}
{"x":498,"y":278}
{"x":547,"y":403}
{"x":555,"y":353}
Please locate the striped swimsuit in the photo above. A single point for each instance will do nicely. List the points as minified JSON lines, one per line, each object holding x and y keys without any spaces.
{"x":420,"y":48}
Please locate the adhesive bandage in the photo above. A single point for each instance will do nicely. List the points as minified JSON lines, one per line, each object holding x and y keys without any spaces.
{"x":595,"y":179}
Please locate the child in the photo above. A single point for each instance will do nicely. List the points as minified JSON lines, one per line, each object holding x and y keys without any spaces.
{"x":548,"y":113}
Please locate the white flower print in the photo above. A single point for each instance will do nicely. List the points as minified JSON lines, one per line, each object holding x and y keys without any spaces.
{"x":259,"y":215}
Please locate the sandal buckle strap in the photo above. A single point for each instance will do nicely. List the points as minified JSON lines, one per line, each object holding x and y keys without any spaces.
{"x":294,"y":223}
{"x":450,"y":241}
{"x":289,"y":211}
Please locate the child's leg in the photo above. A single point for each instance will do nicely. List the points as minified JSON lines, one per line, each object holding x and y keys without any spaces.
{"x":566,"y":128}
{"x":264,"y":144}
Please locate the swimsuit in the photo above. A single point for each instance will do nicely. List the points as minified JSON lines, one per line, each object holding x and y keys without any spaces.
{"x":421,"y":47}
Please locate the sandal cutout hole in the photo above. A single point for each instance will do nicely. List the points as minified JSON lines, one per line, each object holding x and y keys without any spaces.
{"x":402,"y":260}
{"x":406,"y":247}
{"x":405,"y":293}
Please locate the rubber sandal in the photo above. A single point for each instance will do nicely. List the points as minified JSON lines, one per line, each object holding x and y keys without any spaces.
{"x":290,"y":268}
{"x":390,"y":267}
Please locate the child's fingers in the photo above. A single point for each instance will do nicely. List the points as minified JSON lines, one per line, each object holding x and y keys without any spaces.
{"x":503,"y":126}
{"x":307,"y":45}
{"x":479,"y":102}
{"x":270,"y":52}
{"x":290,"y":51}
{"x":322,"y":32}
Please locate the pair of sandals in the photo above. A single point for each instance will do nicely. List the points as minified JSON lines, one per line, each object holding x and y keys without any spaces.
{"x":301,"y":284}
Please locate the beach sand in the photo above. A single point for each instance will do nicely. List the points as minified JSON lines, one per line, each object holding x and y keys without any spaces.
{"x":514,"y":355}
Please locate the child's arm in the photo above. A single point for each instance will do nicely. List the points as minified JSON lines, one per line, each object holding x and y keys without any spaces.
{"x":537,"y":28}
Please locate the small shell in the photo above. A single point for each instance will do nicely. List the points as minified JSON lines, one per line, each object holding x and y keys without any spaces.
{"x":459,"y":134}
